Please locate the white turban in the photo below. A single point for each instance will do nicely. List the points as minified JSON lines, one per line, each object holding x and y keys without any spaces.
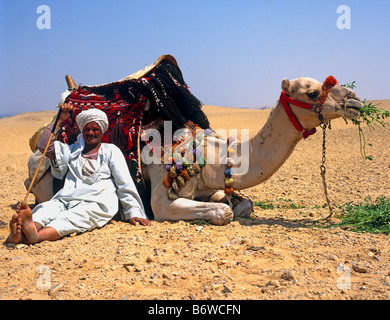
{"x":92,"y":115}
{"x":84,"y":117}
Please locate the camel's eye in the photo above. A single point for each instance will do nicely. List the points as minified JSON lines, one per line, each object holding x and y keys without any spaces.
{"x":313,"y":95}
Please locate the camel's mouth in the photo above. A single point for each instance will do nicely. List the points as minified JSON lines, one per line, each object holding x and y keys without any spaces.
{"x":350,"y":110}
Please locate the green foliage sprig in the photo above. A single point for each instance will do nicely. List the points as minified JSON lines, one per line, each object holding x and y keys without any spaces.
{"x":371,"y":116}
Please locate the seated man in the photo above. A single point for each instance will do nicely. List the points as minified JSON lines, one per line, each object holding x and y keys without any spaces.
{"x":96,"y":176}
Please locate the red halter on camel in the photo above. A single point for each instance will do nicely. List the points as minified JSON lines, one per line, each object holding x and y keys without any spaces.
{"x":285,"y":100}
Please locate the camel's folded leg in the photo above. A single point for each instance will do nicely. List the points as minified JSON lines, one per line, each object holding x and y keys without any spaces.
{"x":185,"y":209}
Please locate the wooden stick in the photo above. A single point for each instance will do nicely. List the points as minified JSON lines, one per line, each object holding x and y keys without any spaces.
{"x":71,"y":85}
{"x":24,"y":202}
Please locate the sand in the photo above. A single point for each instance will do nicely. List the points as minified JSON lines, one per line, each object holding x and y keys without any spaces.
{"x":273,"y":254}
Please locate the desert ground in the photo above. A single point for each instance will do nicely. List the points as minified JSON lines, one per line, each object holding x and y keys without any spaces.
{"x":278,"y":254}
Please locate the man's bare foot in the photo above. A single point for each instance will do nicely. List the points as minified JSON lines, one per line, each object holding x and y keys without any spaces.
{"x":28,"y":226}
{"x":15,"y":226}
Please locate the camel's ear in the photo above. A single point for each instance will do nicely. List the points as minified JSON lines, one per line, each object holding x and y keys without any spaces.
{"x":286,"y":86}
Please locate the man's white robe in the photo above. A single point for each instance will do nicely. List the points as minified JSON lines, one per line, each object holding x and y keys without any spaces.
{"x":85,"y":203}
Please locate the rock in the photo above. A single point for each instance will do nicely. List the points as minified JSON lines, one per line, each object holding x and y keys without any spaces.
{"x":288,"y":275}
{"x":149,"y":259}
{"x":223,"y":261}
{"x":138,"y":268}
{"x":226,"y":289}
{"x":274,"y":283}
{"x":332,"y":257}
{"x":359,"y":269}
{"x":10,"y":245}
{"x":54,"y":289}
{"x":269,"y":284}
{"x":166,"y":283}
{"x":11,"y":167}
{"x":125,"y":265}
{"x":256,"y":248}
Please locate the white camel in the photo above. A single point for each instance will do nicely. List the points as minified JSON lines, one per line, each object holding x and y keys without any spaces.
{"x":201,"y":197}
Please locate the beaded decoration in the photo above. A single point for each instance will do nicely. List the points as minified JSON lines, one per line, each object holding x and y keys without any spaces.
{"x":229,"y":190}
{"x":228,"y":171}
{"x":186,"y":159}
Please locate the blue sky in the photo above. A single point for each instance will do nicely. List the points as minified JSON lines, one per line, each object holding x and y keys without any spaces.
{"x":231,"y":53}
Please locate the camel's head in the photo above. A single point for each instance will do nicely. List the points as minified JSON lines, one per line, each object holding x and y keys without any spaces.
{"x":340,"y":102}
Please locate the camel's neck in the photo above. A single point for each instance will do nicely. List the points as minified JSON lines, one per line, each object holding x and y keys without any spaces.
{"x":268,"y":149}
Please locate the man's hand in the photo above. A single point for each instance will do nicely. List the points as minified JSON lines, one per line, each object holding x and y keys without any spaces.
{"x":66,"y":109}
{"x":143,"y":222}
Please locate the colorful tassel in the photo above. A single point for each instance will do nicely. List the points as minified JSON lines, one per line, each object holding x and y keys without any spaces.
{"x":168,"y":181}
{"x":175,"y":186}
{"x":185,"y":162}
{"x":185,"y":175}
{"x":229,"y":182}
{"x":229,"y":191}
{"x":178,"y":167}
{"x":231,"y":151}
{"x":230,"y":162}
{"x":329,"y":82}
{"x":228,"y":173}
{"x":173,"y":173}
{"x":181,"y":182}
{"x":191,"y":171}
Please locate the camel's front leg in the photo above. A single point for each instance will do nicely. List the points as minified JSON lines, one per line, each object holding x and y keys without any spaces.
{"x":241,"y":205}
{"x":185,"y":209}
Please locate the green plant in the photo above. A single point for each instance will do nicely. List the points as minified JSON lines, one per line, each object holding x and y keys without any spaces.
{"x":200,"y":222}
{"x":264,"y":205}
{"x":284,"y":204}
{"x":372,"y":117}
{"x":369,"y":216}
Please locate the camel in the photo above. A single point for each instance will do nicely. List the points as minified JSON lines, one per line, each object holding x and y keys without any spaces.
{"x":268,"y":150}
{"x":261,"y":155}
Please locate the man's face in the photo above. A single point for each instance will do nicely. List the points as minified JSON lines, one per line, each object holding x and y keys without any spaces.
{"x":92,"y":134}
